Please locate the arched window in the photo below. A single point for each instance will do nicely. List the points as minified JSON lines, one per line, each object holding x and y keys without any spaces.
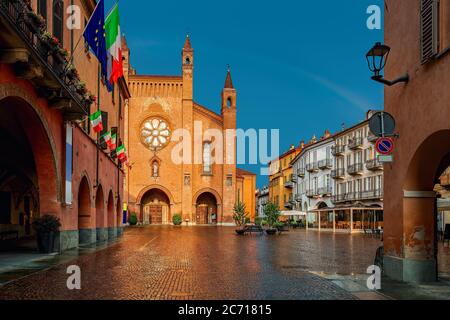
{"x":207,"y":157}
{"x":229,"y":102}
{"x":58,"y":20}
{"x":188,"y":61}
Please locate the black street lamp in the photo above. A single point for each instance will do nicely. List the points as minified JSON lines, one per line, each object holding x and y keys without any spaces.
{"x":377,"y":58}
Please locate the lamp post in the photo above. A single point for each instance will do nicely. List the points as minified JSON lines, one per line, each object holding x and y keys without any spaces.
{"x":376,"y":59}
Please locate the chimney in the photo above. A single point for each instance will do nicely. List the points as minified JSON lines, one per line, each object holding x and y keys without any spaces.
{"x":302,"y":144}
{"x":327,"y":134}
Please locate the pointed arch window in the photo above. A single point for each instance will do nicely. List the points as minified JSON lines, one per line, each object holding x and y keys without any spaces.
{"x":58,"y":20}
{"x":207,"y":158}
{"x":229,"y":102}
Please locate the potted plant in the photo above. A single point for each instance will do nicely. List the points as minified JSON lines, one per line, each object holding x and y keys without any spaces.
{"x":89,"y":98}
{"x":239,"y":217}
{"x":81,"y":88}
{"x":50,"y":42}
{"x":72,"y":73}
{"x":177,"y":220}
{"x":133,"y":220}
{"x":272,"y":213}
{"x":46,"y":228}
{"x":34,"y":21}
{"x":60,"y":55}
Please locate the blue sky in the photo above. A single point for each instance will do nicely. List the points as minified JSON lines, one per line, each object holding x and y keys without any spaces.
{"x":298,"y":66}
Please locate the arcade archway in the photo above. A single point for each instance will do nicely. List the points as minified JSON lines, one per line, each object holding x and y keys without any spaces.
{"x":425,"y":255}
{"x":155,"y":208}
{"x":28,"y":179}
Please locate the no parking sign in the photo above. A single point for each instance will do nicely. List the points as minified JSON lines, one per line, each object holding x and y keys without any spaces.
{"x":385,"y":146}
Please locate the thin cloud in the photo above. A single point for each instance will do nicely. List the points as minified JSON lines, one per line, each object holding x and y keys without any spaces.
{"x":349,"y":96}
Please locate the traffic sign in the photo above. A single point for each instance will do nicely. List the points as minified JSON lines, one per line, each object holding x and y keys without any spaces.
{"x":382,"y":124}
{"x":385,"y":146}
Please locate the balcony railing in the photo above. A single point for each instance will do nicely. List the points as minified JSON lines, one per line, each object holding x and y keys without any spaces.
{"x":325,"y":191}
{"x":355,"y":143}
{"x":288,"y":184}
{"x":294,"y":178}
{"x":371,"y":194}
{"x":298,"y":198}
{"x":339,"y":198}
{"x":338,"y":173}
{"x":301,"y":172}
{"x":311,"y":193}
{"x":338,"y":150}
{"x":54,"y":84}
{"x":325,"y":164}
{"x":312,"y":167}
{"x":289,"y":205}
{"x":374,"y":165}
{"x":355,"y":169}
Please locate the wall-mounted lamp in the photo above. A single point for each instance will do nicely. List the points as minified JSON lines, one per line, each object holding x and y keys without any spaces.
{"x":377,"y":58}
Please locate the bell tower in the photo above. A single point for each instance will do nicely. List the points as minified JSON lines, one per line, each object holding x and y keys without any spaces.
{"x":187,"y":55}
{"x":229,"y":126}
{"x":188,"y":69}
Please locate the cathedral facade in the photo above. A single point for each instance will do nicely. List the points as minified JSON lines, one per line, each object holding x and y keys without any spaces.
{"x":158,"y":186}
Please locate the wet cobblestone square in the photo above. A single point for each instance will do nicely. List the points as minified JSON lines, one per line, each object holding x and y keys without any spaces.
{"x":170,"y":263}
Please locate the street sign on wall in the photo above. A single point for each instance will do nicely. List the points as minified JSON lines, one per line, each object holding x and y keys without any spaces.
{"x":386,"y":159}
{"x":385,"y":146}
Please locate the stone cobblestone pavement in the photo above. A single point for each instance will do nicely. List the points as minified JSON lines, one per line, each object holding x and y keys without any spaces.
{"x":206,"y":263}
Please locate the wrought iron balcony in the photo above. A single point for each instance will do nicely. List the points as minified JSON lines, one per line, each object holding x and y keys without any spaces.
{"x":301,"y":172}
{"x":294,"y":178}
{"x":298,"y":198}
{"x":34,"y":59}
{"x":289,"y":184}
{"x":371,"y":194}
{"x":355,"y":143}
{"x":337,"y":150}
{"x":325,"y":164}
{"x":374,"y":165}
{"x":339,"y":198}
{"x":355,"y":169}
{"x":338,"y":173}
{"x":312,"y":167}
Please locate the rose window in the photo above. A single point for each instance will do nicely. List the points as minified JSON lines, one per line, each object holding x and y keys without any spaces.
{"x":155,"y":134}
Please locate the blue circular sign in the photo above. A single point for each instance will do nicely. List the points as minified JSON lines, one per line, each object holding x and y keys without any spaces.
{"x":385,"y":146}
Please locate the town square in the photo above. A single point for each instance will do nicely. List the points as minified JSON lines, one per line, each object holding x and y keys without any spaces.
{"x":170,"y":151}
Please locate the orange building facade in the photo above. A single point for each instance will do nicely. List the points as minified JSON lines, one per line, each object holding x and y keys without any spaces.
{"x":202,"y":187}
{"x":413,"y":248}
{"x":51,"y":163}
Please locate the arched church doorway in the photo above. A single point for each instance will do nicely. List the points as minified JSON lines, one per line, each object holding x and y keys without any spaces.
{"x":155,"y":207}
{"x":28,"y":177}
{"x":206,"y":209}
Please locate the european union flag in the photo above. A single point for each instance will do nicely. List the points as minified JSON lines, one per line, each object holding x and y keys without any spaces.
{"x":95,"y":36}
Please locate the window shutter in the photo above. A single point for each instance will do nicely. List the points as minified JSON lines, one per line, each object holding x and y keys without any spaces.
{"x":429,"y":29}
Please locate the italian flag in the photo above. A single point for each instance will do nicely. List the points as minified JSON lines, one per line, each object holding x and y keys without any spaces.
{"x":113,"y":144}
{"x":96,"y":121}
{"x":114,"y":45}
{"x":107,"y":138}
{"x":121,"y":154}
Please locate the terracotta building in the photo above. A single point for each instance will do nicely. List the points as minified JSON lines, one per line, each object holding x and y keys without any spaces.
{"x":51,"y":163}
{"x":246,"y":190}
{"x":421,"y":107}
{"x":203,"y":186}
